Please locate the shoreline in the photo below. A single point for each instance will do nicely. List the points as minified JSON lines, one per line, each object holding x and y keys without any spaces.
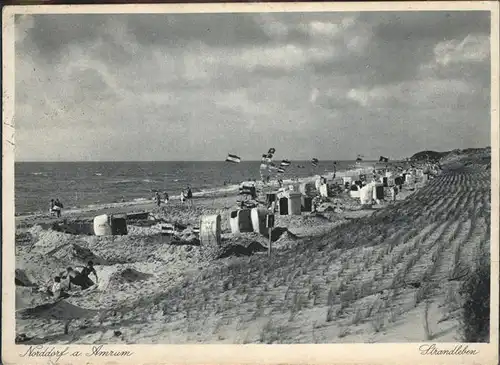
{"x":141,"y":204}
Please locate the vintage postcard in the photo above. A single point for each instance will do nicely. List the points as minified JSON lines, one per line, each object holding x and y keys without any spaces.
{"x":306,"y":183}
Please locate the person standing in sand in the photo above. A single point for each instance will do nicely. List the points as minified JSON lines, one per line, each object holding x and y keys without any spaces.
{"x":189,"y":195}
{"x":165,"y":197}
{"x":158,"y":199}
{"x":394,"y":192}
{"x":58,"y":207}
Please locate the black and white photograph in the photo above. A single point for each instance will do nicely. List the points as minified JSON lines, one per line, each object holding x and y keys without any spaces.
{"x":252,"y":176}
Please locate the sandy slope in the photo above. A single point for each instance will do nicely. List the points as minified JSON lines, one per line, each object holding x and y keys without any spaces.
{"x":349,"y":276}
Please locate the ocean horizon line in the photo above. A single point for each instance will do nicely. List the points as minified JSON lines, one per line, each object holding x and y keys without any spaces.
{"x":197,"y":161}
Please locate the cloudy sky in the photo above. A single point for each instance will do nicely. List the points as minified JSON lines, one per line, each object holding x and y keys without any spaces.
{"x":199,"y":86}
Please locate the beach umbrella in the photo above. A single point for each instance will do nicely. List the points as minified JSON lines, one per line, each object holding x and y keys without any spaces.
{"x":315,"y":162}
{"x":383,"y":159}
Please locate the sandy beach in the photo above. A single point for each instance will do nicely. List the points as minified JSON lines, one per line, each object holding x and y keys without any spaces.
{"x":347,"y":273}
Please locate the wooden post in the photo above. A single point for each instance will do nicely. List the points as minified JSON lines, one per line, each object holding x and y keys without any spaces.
{"x":270,"y":225}
{"x":269,"y":248}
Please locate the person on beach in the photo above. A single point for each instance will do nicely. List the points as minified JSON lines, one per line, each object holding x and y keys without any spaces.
{"x":189,"y":195}
{"x":57,"y":291}
{"x":316,"y":201}
{"x":165,"y":197}
{"x":394,"y":192}
{"x":69,"y":277}
{"x":272,"y":206}
{"x":183,"y":197}
{"x":86,"y":282}
{"x":158,"y":199}
{"x":334,"y":169}
{"x":73,"y":277}
{"x":56,"y":207}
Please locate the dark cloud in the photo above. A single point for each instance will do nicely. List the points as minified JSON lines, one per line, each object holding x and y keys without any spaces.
{"x":400,"y":43}
{"x":217,"y":30}
{"x":196,"y":86}
{"x":50,"y":33}
{"x":430,"y":26}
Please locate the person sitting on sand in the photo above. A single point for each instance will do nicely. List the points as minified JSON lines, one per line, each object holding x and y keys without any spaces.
{"x":183,"y":197}
{"x":71,"y":276}
{"x":57,"y":291}
{"x":83,"y":279}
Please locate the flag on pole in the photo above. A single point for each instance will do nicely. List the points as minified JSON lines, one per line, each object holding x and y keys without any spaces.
{"x":315,"y":162}
{"x":233,"y":158}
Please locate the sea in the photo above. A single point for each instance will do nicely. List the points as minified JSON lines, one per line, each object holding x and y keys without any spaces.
{"x":83,"y":184}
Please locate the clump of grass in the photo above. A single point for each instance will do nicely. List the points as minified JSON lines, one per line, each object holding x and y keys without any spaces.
{"x":393,"y":315}
{"x":421,"y":293}
{"x":385,"y":268}
{"x":330,"y":314}
{"x":270,"y":334}
{"x":397,"y":279}
{"x":348,"y":296}
{"x":297,"y":305}
{"x":331,"y":297}
{"x":314,"y":293}
{"x":357,"y":316}
{"x":451,"y":299}
{"x":378,"y":322}
{"x":344,"y":331}
{"x":365,"y":289}
{"x":475,"y":321}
